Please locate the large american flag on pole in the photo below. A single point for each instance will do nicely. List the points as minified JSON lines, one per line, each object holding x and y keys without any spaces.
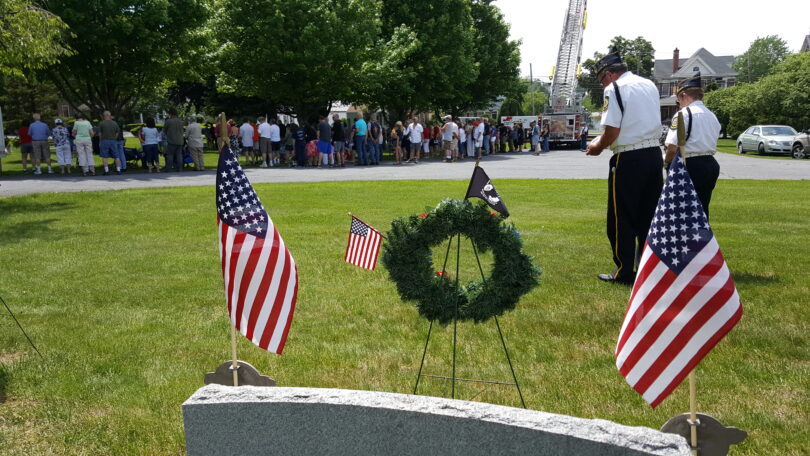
{"x":260,"y":275}
{"x":364,"y":245}
{"x":683,"y":300}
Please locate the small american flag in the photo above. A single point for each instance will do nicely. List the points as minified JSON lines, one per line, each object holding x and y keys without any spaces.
{"x":260,"y":275}
{"x":683,"y":301}
{"x":364,"y":245}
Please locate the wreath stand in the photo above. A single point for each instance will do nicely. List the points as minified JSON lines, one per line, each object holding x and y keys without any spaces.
{"x":453,"y":377}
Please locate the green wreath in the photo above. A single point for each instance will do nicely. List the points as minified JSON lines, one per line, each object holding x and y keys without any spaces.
{"x":407,"y":255}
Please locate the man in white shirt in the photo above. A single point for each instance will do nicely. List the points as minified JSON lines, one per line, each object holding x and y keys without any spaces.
{"x":246,"y":136}
{"x":702,"y":130}
{"x":632,"y":130}
{"x":478,"y":137}
{"x":414,"y":132}
{"x":449,"y":139}
{"x":275,"y":142}
{"x":264,"y":142}
{"x":194,"y":140}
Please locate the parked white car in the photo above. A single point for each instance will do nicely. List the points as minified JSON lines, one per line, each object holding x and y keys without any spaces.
{"x":766,"y":139}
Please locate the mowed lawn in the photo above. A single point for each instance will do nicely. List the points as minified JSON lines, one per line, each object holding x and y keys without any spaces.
{"x":122,"y":293}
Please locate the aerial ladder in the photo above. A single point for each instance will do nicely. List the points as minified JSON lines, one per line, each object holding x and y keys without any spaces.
{"x":564,"y":112}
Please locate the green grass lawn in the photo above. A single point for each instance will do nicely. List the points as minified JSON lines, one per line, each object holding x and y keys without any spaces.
{"x":122,"y":293}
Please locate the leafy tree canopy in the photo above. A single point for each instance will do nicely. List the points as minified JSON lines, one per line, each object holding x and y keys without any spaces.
{"x":30,"y":37}
{"x":760,"y":57}
{"x":300,"y":55}
{"x":127,"y":49}
{"x":442,"y":65}
{"x":638,"y":54}
{"x":778,"y":98}
{"x":495,"y":56}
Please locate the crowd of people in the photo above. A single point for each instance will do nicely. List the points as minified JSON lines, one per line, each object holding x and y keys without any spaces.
{"x":267,"y":143}
{"x":335,"y":142}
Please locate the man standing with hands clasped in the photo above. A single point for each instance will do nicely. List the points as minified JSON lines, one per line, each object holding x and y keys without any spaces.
{"x":632,"y":131}
{"x":702,"y":130}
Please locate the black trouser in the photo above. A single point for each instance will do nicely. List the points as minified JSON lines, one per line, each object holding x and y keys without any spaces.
{"x":704,"y":171}
{"x":634,"y":187}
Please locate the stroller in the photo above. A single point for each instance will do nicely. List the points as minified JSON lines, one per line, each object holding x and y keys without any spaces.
{"x":134,"y":155}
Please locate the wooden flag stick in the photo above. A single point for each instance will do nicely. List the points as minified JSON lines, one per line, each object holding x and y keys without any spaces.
{"x":234,"y":364}
{"x":693,"y":411}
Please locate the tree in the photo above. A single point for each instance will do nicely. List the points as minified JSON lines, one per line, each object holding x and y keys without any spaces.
{"x":778,"y":98}
{"x":760,"y":57}
{"x":30,"y":37}
{"x":440,"y":67}
{"x":299,"y":56}
{"x":721,"y":103}
{"x":126,"y":50}
{"x":21,"y":96}
{"x":521,"y":104}
{"x":638,"y":54}
{"x":496,"y":57}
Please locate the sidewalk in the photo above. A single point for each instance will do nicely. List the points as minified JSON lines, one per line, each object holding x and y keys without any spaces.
{"x":557,"y":164}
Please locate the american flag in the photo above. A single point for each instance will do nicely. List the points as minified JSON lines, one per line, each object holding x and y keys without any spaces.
{"x":364,"y":245}
{"x":683,"y":300}
{"x":260,"y":275}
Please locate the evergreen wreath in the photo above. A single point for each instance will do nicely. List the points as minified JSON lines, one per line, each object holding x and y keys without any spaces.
{"x":408,"y":256}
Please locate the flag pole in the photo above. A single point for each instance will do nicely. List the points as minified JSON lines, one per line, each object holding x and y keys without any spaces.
{"x":693,"y":423}
{"x":234,"y":364}
{"x":681,"y":137}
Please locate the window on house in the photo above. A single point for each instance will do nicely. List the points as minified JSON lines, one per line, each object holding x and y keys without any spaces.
{"x":696,"y":69}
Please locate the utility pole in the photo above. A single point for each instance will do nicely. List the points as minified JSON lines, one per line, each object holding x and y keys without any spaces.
{"x":531,"y":84}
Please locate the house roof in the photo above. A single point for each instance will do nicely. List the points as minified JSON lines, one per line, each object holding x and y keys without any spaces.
{"x":806,"y":44}
{"x":708,"y":64}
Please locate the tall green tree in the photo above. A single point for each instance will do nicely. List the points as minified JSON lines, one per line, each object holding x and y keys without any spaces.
{"x":21,"y":96}
{"x":301,"y":55}
{"x":496,"y":57}
{"x":30,"y":37}
{"x":638,"y":54}
{"x":126,"y":50}
{"x":521,"y":104}
{"x":761,"y":56}
{"x":440,"y":67}
{"x":778,"y":98}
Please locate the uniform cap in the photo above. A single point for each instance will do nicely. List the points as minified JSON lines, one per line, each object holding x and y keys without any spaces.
{"x":690,"y":82}
{"x":58,"y":121}
{"x":612,"y":58}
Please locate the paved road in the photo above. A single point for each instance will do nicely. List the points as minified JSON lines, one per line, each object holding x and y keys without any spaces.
{"x":560,"y":164}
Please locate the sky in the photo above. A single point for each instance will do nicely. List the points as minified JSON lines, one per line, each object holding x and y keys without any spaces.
{"x":722,"y":27}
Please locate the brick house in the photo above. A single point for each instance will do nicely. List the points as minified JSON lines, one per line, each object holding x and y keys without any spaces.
{"x":713,"y":69}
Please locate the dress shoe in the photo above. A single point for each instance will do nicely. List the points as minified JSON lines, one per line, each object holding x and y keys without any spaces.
{"x":621,"y":280}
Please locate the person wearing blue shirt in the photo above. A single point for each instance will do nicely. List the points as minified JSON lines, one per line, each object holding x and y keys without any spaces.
{"x":360,"y":128}
{"x":41,"y":150}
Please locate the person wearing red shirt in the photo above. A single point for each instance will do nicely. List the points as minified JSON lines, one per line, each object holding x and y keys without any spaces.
{"x":25,"y":145}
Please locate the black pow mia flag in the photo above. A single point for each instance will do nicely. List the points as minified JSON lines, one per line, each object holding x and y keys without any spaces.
{"x":481,"y":187}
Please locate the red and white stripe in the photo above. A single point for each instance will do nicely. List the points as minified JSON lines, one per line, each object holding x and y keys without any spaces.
{"x":673,"y":321}
{"x":363,"y":251}
{"x":261,"y":285}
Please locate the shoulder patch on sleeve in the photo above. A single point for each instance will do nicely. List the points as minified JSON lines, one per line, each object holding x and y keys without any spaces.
{"x":605,"y":105}
{"x":674,"y":125}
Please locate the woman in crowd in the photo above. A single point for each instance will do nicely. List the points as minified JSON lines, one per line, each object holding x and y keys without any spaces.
{"x":61,"y":142}
{"x":312,"y":144}
{"x":233,"y":136}
{"x":397,"y":133}
{"x":150,"y":137}
{"x":287,"y":144}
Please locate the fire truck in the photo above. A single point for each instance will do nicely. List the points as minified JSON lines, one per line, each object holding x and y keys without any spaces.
{"x":565,"y":114}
